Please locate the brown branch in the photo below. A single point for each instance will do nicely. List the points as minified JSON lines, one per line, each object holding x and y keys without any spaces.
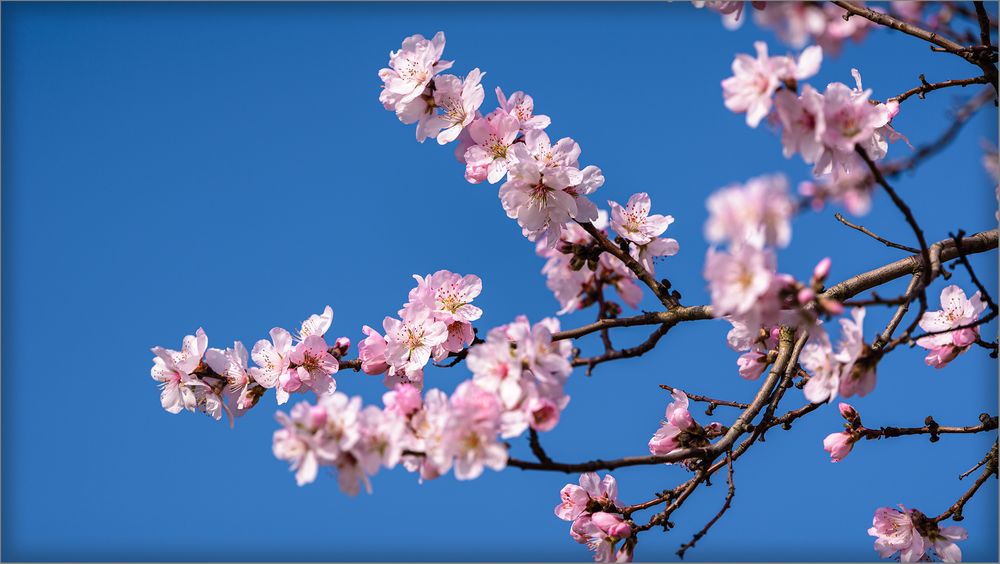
{"x":989,"y":69}
{"x":725,"y":507}
{"x":536,"y":447}
{"x":867,"y":232}
{"x":640,"y":271}
{"x":904,"y":208}
{"x":707,"y":399}
{"x":897,"y":317}
{"x":672,"y":317}
{"x":955,"y":511}
{"x":925,"y":87}
{"x":614,"y":354}
{"x":961,"y":117}
{"x":988,"y":424}
{"x":984,"y":23}
{"x":985,"y":459}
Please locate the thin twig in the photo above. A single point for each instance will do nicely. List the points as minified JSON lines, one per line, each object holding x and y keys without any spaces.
{"x":725,"y":507}
{"x":882,"y":240}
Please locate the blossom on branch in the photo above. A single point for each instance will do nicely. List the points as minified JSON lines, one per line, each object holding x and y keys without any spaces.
{"x":954,"y":324}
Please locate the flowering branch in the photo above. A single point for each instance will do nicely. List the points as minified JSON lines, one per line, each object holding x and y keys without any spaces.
{"x":730,"y":492}
{"x":926,"y":87}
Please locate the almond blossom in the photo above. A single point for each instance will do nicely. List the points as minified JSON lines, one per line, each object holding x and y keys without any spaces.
{"x":956,"y":323}
{"x":174,"y":370}
{"x":450,"y":296}
{"x":738,"y":280}
{"x":522,"y":107}
{"x":633,"y":221}
{"x":849,"y":119}
{"x":755,"y":81}
{"x":676,"y":421}
{"x":914,"y":536}
{"x":409,"y":341}
{"x":411,"y":69}
{"x":848,"y":371}
{"x":314,"y":364}
{"x":758,"y":212}
{"x":489,"y":155}
{"x":458,"y":101}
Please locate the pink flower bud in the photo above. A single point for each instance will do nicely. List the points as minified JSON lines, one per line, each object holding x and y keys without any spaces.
{"x":341,"y":346}
{"x":838,"y":445}
{"x":847,"y":411}
{"x":822,"y":270}
{"x":833,"y":307}
{"x":775,"y":333}
{"x":806,"y":295}
{"x":317,"y":416}
{"x":611,"y":524}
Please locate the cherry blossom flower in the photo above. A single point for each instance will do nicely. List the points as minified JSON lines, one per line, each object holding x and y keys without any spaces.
{"x":755,"y":81}
{"x":858,"y":373}
{"x":758,"y":212}
{"x":738,"y":279}
{"x":273,"y":364}
{"x":450,"y":296}
{"x":371,"y":352}
{"x":294,"y":442}
{"x":849,"y":119}
{"x":634,"y":223}
{"x":412,"y":68}
{"x":839,"y":445}
{"x":894,"y":532}
{"x":174,"y":370}
{"x":473,"y":426}
{"x":677,"y":420}
{"x":538,"y":198}
{"x":802,"y":123}
{"x":522,"y":107}
{"x":957,"y":313}
{"x":592,"y":487}
{"x":316,"y":324}
{"x":458,"y":100}
{"x":409,"y":341}
{"x":314,"y":364}
{"x":851,"y":189}
{"x":537,"y":146}
{"x":817,"y":357}
{"x":489,"y":157}
{"x":240,"y":393}
{"x":403,"y":399}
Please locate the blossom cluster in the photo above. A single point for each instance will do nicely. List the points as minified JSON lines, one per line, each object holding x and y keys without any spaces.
{"x":215,"y":381}
{"x":839,"y":445}
{"x":518,"y":381}
{"x":824,"y":128}
{"x":751,"y":220}
{"x":798,"y":23}
{"x":914,"y":536}
{"x":679,"y":430}
{"x":435,"y":322}
{"x":595,"y":511}
{"x":953,"y":326}
{"x":545,"y":187}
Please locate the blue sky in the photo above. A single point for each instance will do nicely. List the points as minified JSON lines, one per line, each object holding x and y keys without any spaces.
{"x":170,"y":166}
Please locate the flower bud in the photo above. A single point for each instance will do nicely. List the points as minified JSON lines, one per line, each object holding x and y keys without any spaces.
{"x":341,"y":346}
{"x":847,"y":411}
{"x":833,"y":307}
{"x":806,"y":295}
{"x":822,"y":270}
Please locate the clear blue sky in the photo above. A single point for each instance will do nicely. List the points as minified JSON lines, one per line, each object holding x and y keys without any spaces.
{"x":170,"y":166}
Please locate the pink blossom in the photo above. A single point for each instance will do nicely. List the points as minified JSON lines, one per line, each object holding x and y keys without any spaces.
{"x":677,"y":420}
{"x":944,"y":545}
{"x":837,"y":30}
{"x":895,"y":532}
{"x":536,"y":146}
{"x":794,"y":22}
{"x":539,"y":199}
{"x":316,"y":324}
{"x":634,"y":223}
{"x":802,"y":123}
{"x":232,"y":363}
{"x":817,"y":357}
{"x":755,"y":81}
{"x":849,"y":120}
{"x":273,"y":363}
{"x":522,"y":107}
{"x":489,"y":157}
{"x":473,"y":429}
{"x":412,"y":68}
{"x":858,"y":374}
{"x":174,"y":370}
{"x":738,"y":279}
{"x":450,"y":297}
{"x":838,"y":445}
{"x":758,"y":212}
{"x":592,"y":487}
{"x":956,"y":313}
{"x":314,"y":364}
{"x":409,"y":341}
{"x":371,"y":352}
{"x":851,"y":189}
{"x":458,"y":101}
{"x":403,"y":399}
